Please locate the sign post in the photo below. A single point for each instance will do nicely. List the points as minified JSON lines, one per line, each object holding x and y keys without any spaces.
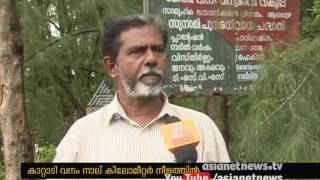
{"x":215,"y":46}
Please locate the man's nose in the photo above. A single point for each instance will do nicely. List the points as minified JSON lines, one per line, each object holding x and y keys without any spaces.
{"x":150,"y":58}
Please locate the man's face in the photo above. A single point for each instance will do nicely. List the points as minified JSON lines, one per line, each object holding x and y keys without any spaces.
{"x":141,"y":62}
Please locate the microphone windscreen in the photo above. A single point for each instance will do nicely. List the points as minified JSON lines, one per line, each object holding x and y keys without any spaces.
{"x":186,"y":154}
{"x":179,"y":134}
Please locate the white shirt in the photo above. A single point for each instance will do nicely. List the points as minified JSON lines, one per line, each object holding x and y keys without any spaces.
{"x":108,"y":135}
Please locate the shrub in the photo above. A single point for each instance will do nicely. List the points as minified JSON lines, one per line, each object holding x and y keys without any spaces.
{"x":44,"y":153}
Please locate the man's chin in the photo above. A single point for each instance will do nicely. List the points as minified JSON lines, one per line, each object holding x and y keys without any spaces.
{"x":146,"y":91}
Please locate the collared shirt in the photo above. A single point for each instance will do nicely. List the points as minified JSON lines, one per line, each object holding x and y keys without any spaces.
{"x":109,"y":135}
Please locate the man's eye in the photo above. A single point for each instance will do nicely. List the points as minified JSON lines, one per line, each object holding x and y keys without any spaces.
{"x":159,"y":51}
{"x":136,"y":52}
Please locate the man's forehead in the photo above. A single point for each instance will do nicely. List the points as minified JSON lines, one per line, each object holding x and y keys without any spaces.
{"x":138,"y":35}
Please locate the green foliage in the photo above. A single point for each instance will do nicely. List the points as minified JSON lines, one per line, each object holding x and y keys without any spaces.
{"x":62,"y":59}
{"x":2,"y":170}
{"x":45,"y":153}
{"x":311,"y":18}
{"x":279,"y":119}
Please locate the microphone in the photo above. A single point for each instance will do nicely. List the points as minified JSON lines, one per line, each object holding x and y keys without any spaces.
{"x":181,"y":138}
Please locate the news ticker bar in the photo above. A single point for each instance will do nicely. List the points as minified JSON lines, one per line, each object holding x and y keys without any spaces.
{"x":167,"y":170}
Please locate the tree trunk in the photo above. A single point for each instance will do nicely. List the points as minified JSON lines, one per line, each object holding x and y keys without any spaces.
{"x":17,"y":140}
{"x":217,"y":109}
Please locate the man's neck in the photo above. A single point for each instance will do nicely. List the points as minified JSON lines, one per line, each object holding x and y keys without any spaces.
{"x":141,"y":110}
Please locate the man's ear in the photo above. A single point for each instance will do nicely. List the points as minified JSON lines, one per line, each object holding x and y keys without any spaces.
{"x":109,"y":65}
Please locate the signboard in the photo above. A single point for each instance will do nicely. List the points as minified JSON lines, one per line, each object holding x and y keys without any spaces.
{"x":214,"y":46}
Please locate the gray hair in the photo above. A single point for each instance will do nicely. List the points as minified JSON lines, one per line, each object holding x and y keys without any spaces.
{"x":112,"y":31}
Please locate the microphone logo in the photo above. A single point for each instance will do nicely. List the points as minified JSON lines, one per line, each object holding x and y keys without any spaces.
{"x":181,"y":135}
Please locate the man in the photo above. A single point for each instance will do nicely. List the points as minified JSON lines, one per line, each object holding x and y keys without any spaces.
{"x":128,"y":129}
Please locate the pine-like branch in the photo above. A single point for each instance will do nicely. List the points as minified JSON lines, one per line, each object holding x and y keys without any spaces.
{"x":53,"y":23}
{"x":68,"y":92}
{"x":54,"y":41}
{"x":292,"y":95}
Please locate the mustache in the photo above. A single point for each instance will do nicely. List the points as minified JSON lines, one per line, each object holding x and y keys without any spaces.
{"x":151,"y":72}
